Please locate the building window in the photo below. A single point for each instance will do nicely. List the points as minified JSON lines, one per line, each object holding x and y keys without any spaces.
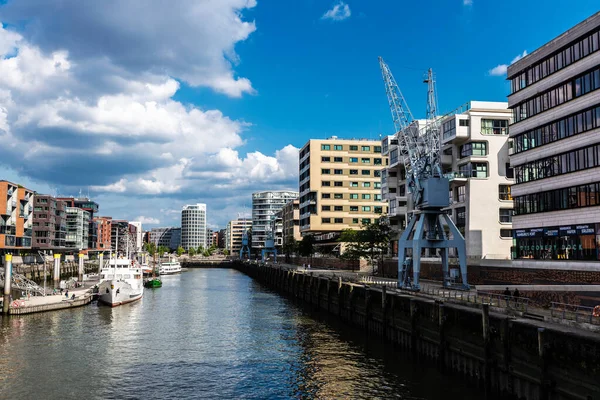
{"x":353,"y":184}
{"x":473,"y":149}
{"x":353,"y":196}
{"x":338,"y":196}
{"x":338,"y":183}
{"x":353,"y":208}
{"x":338,"y":147}
{"x":509,"y":171}
{"x":365,"y":160}
{"x":376,"y":149}
{"x":473,"y":170}
{"x":377,"y":173}
{"x":338,"y":220}
{"x":353,"y":172}
{"x":504,"y":192}
{"x":377,"y":197}
{"x":325,"y":195}
{"x":559,"y":199}
{"x":338,"y":208}
{"x":366,"y":208}
{"x":494,"y":127}
{"x":378,"y":209}
{"x":353,"y":159}
{"x":338,"y":159}
{"x":506,"y":215}
{"x":325,"y":159}
{"x":325,"y":208}
{"x":461,"y":218}
{"x":506,"y":233}
{"x":355,"y":220}
{"x":571,"y":242}
{"x":365,"y":148}
{"x":377,"y":185}
{"x":338,"y":171}
{"x":377,"y":161}
{"x":325,"y":171}
{"x":365,"y":221}
{"x":325,"y":147}
{"x":366,"y":196}
{"x":366,"y":184}
{"x":325,"y":220}
{"x":353,"y":148}
{"x":366,"y":172}
{"x":463,"y":122}
{"x":325,"y":183}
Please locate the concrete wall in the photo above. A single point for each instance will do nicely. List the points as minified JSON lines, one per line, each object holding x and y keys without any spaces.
{"x":510,"y":357}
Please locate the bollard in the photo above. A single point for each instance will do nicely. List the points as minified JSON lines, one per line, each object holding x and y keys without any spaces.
{"x":56,"y":275}
{"x":101,"y":259}
{"x":7,"y":283}
{"x":80,"y":274}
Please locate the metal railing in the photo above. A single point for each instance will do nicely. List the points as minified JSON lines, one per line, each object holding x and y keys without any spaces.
{"x":495,"y":300}
{"x":574,"y":312}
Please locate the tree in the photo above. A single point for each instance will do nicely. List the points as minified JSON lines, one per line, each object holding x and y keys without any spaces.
{"x":352,"y":250}
{"x":192,"y":252}
{"x":371,"y":242}
{"x":306,"y":246}
{"x":180,"y":251}
{"x":225,"y":252}
{"x":200,"y":249}
{"x":150,"y":248}
{"x":290,"y":246}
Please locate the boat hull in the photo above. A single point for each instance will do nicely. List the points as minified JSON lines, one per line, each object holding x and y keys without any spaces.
{"x":116,"y":293}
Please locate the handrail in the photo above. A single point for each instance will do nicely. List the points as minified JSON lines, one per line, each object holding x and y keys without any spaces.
{"x":573,"y":312}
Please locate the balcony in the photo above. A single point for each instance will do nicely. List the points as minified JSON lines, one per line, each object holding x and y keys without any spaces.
{"x":457,"y":176}
{"x":8,"y":230}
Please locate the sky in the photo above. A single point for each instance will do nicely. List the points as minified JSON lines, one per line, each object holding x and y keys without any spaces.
{"x":148,"y":105}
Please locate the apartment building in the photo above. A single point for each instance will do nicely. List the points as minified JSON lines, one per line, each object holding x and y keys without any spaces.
{"x":138,"y":235}
{"x":78,"y":224}
{"x":233,"y":234}
{"x":264,"y":207}
{"x":16,"y":216}
{"x":290,"y":220}
{"x":91,"y":207}
{"x":104,"y":230}
{"x":193,"y":226}
{"x":340,"y":186}
{"x":49,"y":223}
{"x":475,"y":156}
{"x":555,"y":100}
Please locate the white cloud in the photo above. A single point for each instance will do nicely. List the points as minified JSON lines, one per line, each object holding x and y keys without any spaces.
{"x":147,"y":220}
{"x":468,"y":2}
{"x":500,"y":70}
{"x":339,"y":12}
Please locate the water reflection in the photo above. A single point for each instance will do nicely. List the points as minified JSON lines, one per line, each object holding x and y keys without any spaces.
{"x":204,"y":334}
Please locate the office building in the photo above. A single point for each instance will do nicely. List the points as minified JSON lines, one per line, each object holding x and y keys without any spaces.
{"x":92,"y":208}
{"x":233,"y":234}
{"x":78,"y":224}
{"x":555,"y":100}
{"x":138,"y":235}
{"x":49,"y":223}
{"x":264,"y":207}
{"x":340,"y":186}
{"x":169,"y":237}
{"x":16,"y":216}
{"x":104,"y":232}
{"x":290,"y":221}
{"x":120,"y":235}
{"x":193,"y":226}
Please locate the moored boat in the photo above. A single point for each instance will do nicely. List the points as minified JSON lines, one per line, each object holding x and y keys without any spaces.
{"x":153,"y":283}
{"x":120,"y":282}
{"x":170,"y":267}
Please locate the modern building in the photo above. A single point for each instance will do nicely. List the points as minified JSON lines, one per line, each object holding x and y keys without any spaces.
{"x":215,"y":239}
{"x":264,"y":207}
{"x":92,"y":208}
{"x":555,"y":100}
{"x":49,"y":223}
{"x":222,"y":234}
{"x":476,"y":159}
{"x":233,"y":234}
{"x":104,"y":232}
{"x":290,"y":220}
{"x":16,"y":216}
{"x":139,"y":242}
{"x":340,"y":186}
{"x":193,"y":226}
{"x":169,"y":237}
{"x":78,"y":224}
{"x":120,"y":232}
{"x":209,"y":237}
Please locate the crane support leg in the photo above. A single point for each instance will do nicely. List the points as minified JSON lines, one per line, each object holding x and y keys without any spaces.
{"x":403,"y":260}
{"x":458,"y":242}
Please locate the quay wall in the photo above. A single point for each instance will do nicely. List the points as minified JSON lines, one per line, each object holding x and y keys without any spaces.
{"x":82,"y":301}
{"x":513,"y":358}
{"x":35,"y":272}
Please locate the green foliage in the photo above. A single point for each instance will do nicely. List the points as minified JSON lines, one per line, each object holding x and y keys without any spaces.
{"x":290,"y":246}
{"x":225,"y":252}
{"x":192,"y":252}
{"x":200,"y":249}
{"x":150,"y":248}
{"x":163,"y":249}
{"x":306,"y":246}
{"x":371,"y":242}
{"x":180,"y":251}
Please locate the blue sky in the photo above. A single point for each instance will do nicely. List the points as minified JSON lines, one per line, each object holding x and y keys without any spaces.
{"x":150,"y":107}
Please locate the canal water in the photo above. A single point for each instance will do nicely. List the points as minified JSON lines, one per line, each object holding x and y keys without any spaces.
{"x":206,"y":334}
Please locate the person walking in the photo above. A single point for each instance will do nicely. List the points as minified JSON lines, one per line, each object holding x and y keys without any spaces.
{"x":516,"y":293}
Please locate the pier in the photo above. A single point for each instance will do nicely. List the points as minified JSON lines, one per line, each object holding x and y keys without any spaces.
{"x":503,"y":350}
{"x":50,"y":303}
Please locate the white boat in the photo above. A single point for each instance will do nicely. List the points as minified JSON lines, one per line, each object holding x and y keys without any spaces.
{"x":121,"y":282}
{"x":170,"y":267}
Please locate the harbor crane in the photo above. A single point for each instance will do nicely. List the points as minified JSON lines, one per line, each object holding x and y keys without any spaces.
{"x":419,"y":150}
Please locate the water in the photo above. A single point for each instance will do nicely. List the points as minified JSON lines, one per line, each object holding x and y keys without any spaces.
{"x":205,"y":334}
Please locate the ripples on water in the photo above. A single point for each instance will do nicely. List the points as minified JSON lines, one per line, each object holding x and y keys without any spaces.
{"x":204,"y":334}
